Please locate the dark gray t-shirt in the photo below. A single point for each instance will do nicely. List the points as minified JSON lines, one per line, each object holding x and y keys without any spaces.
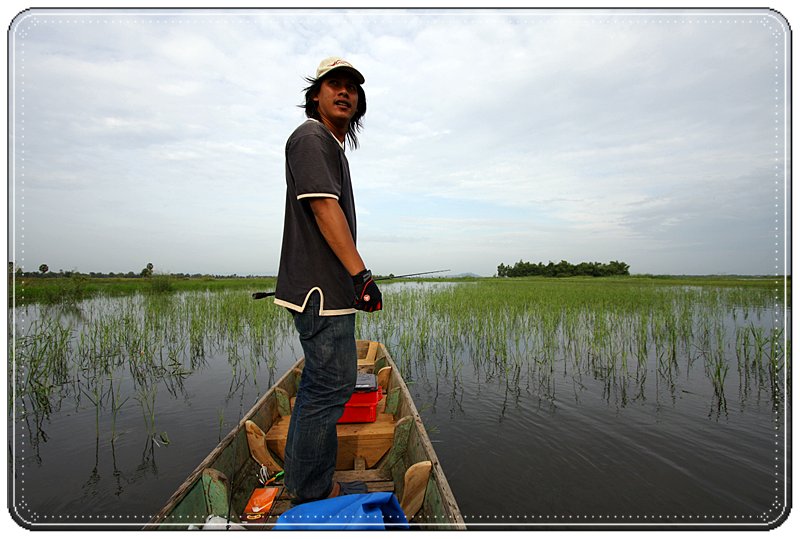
{"x":315,"y":167}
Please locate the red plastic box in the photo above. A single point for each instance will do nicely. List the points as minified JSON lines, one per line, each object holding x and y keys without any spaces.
{"x":361,"y":408}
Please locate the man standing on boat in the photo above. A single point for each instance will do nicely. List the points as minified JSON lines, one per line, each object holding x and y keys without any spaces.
{"x":322,"y":278}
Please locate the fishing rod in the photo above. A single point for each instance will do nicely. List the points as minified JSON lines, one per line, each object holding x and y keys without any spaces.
{"x":262,"y":295}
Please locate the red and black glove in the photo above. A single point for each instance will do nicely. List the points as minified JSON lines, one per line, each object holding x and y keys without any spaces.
{"x":368,"y":297}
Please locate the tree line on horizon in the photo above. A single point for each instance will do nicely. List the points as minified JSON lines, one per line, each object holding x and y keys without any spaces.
{"x":147,"y":271}
{"x":563,"y":269}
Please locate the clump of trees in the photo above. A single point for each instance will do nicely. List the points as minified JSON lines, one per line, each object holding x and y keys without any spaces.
{"x":563,"y":269}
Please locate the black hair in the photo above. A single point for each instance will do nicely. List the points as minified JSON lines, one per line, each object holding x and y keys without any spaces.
{"x":356,"y":122}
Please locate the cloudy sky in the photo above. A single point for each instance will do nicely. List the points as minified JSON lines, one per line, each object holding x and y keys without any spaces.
{"x":653,"y":137}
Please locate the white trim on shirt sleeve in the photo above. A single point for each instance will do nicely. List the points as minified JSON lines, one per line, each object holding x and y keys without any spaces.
{"x":317,"y":195}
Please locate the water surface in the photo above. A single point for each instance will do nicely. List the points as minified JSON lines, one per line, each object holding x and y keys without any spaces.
{"x":532,"y":428}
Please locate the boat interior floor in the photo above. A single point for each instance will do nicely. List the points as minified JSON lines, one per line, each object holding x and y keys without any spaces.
{"x":376,"y":481}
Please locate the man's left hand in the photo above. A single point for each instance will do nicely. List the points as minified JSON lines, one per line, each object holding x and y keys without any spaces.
{"x":368,"y":296}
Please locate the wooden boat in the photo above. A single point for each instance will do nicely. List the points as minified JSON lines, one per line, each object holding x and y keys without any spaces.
{"x":393,"y":453}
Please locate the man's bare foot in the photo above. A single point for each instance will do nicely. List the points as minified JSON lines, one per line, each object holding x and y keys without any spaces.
{"x":334,"y":491}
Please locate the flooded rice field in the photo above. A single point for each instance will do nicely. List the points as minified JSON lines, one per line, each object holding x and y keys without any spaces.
{"x":550,"y":403}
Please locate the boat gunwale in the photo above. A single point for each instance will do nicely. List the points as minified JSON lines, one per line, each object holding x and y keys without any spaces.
{"x":452,"y":511}
{"x":215,"y":453}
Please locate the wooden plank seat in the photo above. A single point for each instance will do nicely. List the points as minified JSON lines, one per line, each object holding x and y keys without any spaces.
{"x":370,"y":441}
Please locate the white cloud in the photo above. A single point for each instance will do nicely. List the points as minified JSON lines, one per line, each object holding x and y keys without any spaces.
{"x":596,"y":135}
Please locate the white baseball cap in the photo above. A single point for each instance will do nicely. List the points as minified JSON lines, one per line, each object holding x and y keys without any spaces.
{"x":335,"y":62}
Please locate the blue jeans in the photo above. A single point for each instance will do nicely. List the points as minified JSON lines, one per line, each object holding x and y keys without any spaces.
{"x":328,"y":380}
